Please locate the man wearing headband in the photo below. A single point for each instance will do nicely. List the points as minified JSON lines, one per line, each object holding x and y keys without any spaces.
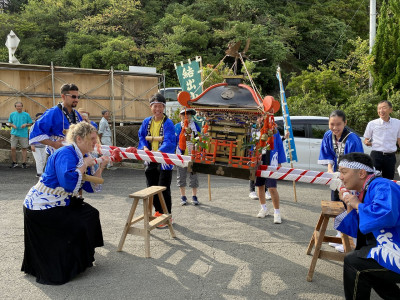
{"x":157,"y":133}
{"x":373,"y":217}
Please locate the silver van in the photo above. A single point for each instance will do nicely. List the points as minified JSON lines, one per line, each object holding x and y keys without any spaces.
{"x":308,"y":132}
{"x":171,"y":96}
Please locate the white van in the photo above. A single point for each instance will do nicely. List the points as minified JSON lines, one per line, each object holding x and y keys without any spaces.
{"x":308,"y":132}
{"x":171,"y":96}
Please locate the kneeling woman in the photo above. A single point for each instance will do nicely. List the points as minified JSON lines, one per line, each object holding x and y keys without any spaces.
{"x":61,"y":231}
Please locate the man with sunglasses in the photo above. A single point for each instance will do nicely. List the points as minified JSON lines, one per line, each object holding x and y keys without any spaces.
{"x":52,"y":127}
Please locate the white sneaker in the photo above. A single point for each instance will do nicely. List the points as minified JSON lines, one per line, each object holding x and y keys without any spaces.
{"x":262,"y":213}
{"x":253,"y":195}
{"x":267,"y":195}
{"x":333,"y":244}
{"x":340,"y":248}
{"x":277,"y":219}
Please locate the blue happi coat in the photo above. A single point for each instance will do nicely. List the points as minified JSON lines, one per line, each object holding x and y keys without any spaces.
{"x":379,"y":214}
{"x":168,"y":145}
{"x":50,"y":126}
{"x":327,"y":153}
{"x":277,"y":155}
{"x":60,"y":180}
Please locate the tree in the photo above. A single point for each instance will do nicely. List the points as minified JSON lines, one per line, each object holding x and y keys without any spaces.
{"x":386,"y":70}
{"x":341,"y":84}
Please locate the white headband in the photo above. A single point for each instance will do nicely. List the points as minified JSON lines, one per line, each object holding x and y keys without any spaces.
{"x":356,"y":165}
{"x":154,"y":102}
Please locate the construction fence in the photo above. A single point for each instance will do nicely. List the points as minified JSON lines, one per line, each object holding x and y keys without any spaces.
{"x":124,"y":94}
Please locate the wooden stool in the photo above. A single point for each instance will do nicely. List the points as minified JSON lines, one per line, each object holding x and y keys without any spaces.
{"x":329,"y":209}
{"x":149,"y":221}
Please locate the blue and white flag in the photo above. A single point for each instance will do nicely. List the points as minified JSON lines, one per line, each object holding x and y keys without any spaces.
{"x":290,"y":148}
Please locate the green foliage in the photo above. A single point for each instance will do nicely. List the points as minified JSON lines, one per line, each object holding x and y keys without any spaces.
{"x":201,"y":141}
{"x":387,"y":49}
{"x":341,"y":84}
{"x":215,"y":74}
{"x":118,"y":17}
{"x":175,"y":116}
{"x":314,"y":41}
{"x":361,"y":109}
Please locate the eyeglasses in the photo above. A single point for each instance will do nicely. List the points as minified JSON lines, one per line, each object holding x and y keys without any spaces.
{"x":73,"y":96}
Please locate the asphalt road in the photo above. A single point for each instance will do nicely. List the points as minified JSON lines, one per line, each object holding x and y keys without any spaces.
{"x":222,"y":251}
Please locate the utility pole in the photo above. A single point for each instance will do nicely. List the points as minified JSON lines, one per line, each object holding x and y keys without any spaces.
{"x":372,"y":32}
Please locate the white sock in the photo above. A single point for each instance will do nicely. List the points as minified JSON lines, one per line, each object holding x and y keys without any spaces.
{"x":277,"y":211}
{"x":264,"y":207}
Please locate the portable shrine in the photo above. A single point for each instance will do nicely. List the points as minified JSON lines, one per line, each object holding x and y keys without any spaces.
{"x":233,"y":113}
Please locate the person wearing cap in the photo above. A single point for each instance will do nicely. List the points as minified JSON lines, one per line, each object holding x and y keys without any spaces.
{"x":51,"y":128}
{"x":85,"y":117}
{"x":182,"y":171}
{"x":157,"y":133}
{"x":373,"y":217}
{"x":105,"y":129}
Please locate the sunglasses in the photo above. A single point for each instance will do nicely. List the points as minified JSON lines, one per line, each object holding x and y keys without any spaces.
{"x":73,"y":96}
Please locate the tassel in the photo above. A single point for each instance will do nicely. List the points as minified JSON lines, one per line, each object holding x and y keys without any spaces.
{"x":271,"y":142}
{"x":264,"y":130}
{"x":182,"y":135}
{"x":205,"y":128}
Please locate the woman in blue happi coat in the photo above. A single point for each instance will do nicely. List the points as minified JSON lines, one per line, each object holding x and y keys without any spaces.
{"x":61,"y":231}
{"x":338,"y":140}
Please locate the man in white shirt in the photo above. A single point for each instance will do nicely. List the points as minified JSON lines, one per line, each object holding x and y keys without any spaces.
{"x":104,"y":129}
{"x":382,"y":135}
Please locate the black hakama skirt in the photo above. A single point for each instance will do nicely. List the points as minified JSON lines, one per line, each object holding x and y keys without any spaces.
{"x":60,"y":242}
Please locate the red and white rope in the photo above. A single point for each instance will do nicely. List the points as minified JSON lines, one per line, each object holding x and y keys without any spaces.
{"x":149,"y":156}
{"x":298,"y":175}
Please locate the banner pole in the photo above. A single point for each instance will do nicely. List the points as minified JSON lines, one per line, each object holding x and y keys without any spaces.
{"x":285,"y":115}
{"x":209,"y":176}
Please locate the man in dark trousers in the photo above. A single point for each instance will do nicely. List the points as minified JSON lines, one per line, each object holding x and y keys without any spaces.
{"x":382,"y":135}
{"x":157,"y":133}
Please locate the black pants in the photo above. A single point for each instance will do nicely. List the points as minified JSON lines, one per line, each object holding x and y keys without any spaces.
{"x":60,"y":242}
{"x":361,"y":274}
{"x":156,"y":176}
{"x":386,"y":163}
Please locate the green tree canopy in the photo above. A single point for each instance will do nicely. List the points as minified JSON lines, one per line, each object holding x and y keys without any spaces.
{"x":387,"y":49}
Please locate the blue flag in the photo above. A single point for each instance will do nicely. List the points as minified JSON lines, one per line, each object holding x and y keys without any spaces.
{"x":290,"y":146}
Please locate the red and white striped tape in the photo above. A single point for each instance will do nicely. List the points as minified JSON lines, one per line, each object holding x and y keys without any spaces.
{"x":299,"y":175}
{"x":149,"y":156}
{"x":279,"y":173}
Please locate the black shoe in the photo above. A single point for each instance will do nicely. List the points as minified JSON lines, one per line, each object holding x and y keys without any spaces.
{"x":24,"y":166}
{"x":14,"y":165}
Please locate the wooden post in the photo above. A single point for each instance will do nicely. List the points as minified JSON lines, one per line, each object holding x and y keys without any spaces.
{"x":52,"y":84}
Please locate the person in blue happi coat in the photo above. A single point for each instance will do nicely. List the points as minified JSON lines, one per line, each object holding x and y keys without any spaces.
{"x":61,"y":231}
{"x":157,"y":133}
{"x":373,"y":217}
{"x":52,"y":127}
